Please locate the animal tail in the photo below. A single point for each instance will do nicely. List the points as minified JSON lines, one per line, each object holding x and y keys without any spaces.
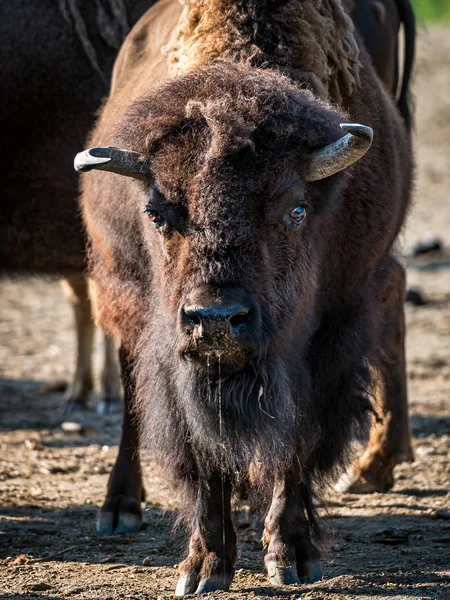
{"x":406,"y":14}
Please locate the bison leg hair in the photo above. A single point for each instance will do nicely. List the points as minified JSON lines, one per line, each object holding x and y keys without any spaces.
{"x":291,"y":556}
{"x":212,"y":547}
{"x":111,"y":393}
{"x":390,"y":440}
{"x":76,"y":290}
{"x":121,"y":511}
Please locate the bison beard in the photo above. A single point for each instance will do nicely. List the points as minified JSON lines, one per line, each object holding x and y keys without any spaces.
{"x":276,"y":408}
{"x":226,"y":421}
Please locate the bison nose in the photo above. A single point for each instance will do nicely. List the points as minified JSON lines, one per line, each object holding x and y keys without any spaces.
{"x":215,"y":321}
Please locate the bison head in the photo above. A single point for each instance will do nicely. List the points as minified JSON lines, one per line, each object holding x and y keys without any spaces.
{"x":237,"y":178}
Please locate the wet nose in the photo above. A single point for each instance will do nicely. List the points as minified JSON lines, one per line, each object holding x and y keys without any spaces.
{"x":217,"y":320}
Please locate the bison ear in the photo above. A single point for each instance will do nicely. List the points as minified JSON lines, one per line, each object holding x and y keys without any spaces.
{"x":340,"y":154}
{"x":122,"y":162}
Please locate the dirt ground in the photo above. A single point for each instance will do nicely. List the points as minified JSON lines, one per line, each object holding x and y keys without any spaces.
{"x":51,"y":482}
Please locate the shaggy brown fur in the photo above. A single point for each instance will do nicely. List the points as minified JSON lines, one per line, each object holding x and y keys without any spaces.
{"x":316,"y":39}
{"x":228,"y":143}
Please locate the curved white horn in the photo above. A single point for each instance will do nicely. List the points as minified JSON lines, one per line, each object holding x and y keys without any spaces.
{"x":342,"y":153}
{"x":116,"y":160}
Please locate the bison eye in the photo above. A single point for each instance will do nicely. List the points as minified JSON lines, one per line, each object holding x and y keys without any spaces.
{"x":298,"y":214}
{"x":154,"y":216}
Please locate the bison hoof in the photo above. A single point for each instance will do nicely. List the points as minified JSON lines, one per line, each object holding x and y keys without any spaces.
{"x":120,"y":516}
{"x":359,"y":484}
{"x":127,"y":523}
{"x":214,"y":583}
{"x":311,"y":572}
{"x":72,"y":405}
{"x":283,"y":575}
{"x":187,"y":584}
{"x":78,"y":395}
{"x":107,"y":406}
{"x":105,"y":524}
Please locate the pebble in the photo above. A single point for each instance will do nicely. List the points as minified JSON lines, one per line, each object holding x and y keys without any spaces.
{"x":415,"y":297}
{"x":440,"y":513}
{"x":425,"y":450}
{"x":21,"y":559}
{"x":33,"y":445}
{"x":39,"y":587}
{"x":71,"y":427}
{"x":426,"y":245}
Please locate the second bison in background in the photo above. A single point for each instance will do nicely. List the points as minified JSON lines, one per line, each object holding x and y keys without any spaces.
{"x":240,"y":249}
{"x":378,"y":23}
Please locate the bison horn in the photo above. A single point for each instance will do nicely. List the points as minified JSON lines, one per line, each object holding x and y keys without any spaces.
{"x":122,"y":162}
{"x":342,"y":153}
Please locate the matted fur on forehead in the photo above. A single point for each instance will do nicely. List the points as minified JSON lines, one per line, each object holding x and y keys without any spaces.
{"x":311,"y":37}
{"x":234,"y":106}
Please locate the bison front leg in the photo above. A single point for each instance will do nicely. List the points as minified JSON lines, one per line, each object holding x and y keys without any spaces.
{"x":121,"y":511}
{"x":390,"y":439}
{"x":212,"y":547}
{"x":291,"y":556}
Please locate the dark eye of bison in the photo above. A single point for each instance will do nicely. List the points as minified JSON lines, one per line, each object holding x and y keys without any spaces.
{"x":298,"y":214}
{"x":154,"y":216}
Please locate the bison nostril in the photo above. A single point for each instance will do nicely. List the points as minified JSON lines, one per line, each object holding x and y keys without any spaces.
{"x":239,"y":319}
{"x":214,"y":322}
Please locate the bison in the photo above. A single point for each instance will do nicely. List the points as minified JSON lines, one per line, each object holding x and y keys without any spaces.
{"x":56,"y":60}
{"x":378,"y":23}
{"x":240,"y":233}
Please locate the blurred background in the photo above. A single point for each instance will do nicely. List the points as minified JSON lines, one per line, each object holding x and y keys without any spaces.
{"x":431,"y":11}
